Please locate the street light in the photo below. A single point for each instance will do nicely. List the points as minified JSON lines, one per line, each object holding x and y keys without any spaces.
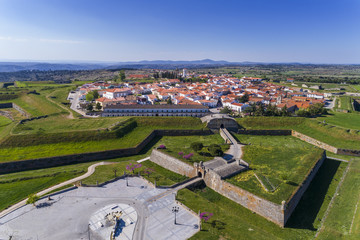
{"x":175,"y":210}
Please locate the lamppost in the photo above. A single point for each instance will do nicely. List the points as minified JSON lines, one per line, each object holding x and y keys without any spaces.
{"x":175,"y":210}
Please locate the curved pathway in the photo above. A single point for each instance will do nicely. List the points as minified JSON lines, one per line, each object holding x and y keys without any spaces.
{"x":91,"y":170}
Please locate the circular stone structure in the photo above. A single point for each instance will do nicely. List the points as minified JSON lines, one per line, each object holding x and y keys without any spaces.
{"x":217,"y":121}
{"x":116,"y":221}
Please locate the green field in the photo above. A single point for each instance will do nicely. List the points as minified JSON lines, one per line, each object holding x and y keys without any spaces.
{"x":357,"y":87}
{"x":162,"y":176}
{"x":342,"y":216}
{"x":15,"y":187}
{"x":279,"y":161}
{"x":65,"y":148}
{"x":346,"y":103}
{"x":336,"y":136}
{"x":174,"y":145}
{"x":54,"y":124}
{"x":232,"y":221}
{"x":345,"y":120}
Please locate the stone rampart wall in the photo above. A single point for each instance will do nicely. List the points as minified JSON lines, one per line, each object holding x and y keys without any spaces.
{"x":349,"y":152}
{"x":264,"y":208}
{"x":182,"y":132}
{"x":16,"y":107}
{"x":314,"y":142}
{"x":299,"y":192}
{"x":172,"y":164}
{"x":20,"y":110}
{"x":266,"y":132}
{"x":6,"y":105}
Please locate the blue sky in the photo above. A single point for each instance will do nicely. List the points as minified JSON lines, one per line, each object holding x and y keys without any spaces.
{"x":309,"y":31}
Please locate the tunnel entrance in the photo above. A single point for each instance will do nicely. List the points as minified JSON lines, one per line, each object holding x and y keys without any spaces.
{"x":199,"y":174}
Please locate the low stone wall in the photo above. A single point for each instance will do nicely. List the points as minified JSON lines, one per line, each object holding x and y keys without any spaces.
{"x":264,"y":208}
{"x":314,"y":142}
{"x":348,"y":152}
{"x":265,"y":132}
{"x":6,"y":105}
{"x":16,"y":107}
{"x":20,"y":110}
{"x":299,"y":192}
{"x":224,"y":133}
{"x":182,"y":132}
{"x":172,"y":164}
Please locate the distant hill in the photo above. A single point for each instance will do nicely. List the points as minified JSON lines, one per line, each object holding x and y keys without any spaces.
{"x":160,"y":64}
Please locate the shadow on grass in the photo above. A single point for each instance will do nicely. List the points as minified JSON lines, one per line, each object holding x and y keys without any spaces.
{"x":150,"y":145}
{"x":306,"y":211}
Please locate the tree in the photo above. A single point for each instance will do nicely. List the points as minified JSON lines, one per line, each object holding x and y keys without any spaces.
{"x":169,"y":101}
{"x":98,"y":106}
{"x":260,"y":110}
{"x":302,"y":113}
{"x":244,"y":98}
{"x":225,"y":110}
{"x":215,"y":150}
{"x":89,"y":97}
{"x":271,"y":110}
{"x":89,"y":107}
{"x":95,"y":94}
{"x":251,"y":109}
{"x":197,"y":146}
{"x":122,"y":75}
{"x":284,"y":112}
{"x":32,"y":199}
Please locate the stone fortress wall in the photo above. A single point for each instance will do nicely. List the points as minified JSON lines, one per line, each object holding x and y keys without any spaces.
{"x":277,"y":213}
{"x":16,"y":107}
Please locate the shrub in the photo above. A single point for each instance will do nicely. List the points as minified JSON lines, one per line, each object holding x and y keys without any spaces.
{"x":215,"y":150}
{"x":32,"y":199}
{"x":196,"y":146}
{"x":162,"y":146}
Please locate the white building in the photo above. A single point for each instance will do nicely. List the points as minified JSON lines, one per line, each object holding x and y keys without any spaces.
{"x":117,"y":92}
{"x":155,"y":110}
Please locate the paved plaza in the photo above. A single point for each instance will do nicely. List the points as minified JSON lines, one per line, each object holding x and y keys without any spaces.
{"x":78,"y":214}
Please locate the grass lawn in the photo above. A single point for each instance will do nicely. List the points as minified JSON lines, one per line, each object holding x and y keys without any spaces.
{"x":342,"y":214}
{"x":61,"y":124}
{"x":232,"y":221}
{"x":64,"y":148}
{"x":4,"y":121}
{"x":357,"y":87}
{"x":5,"y":126}
{"x":162,"y":176}
{"x":275,"y":158}
{"x":330,"y":134}
{"x":345,"y":103}
{"x":174,"y":145}
{"x":15,"y":187}
{"x":345,"y":120}
{"x":56,"y":149}
{"x":37,"y":105}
